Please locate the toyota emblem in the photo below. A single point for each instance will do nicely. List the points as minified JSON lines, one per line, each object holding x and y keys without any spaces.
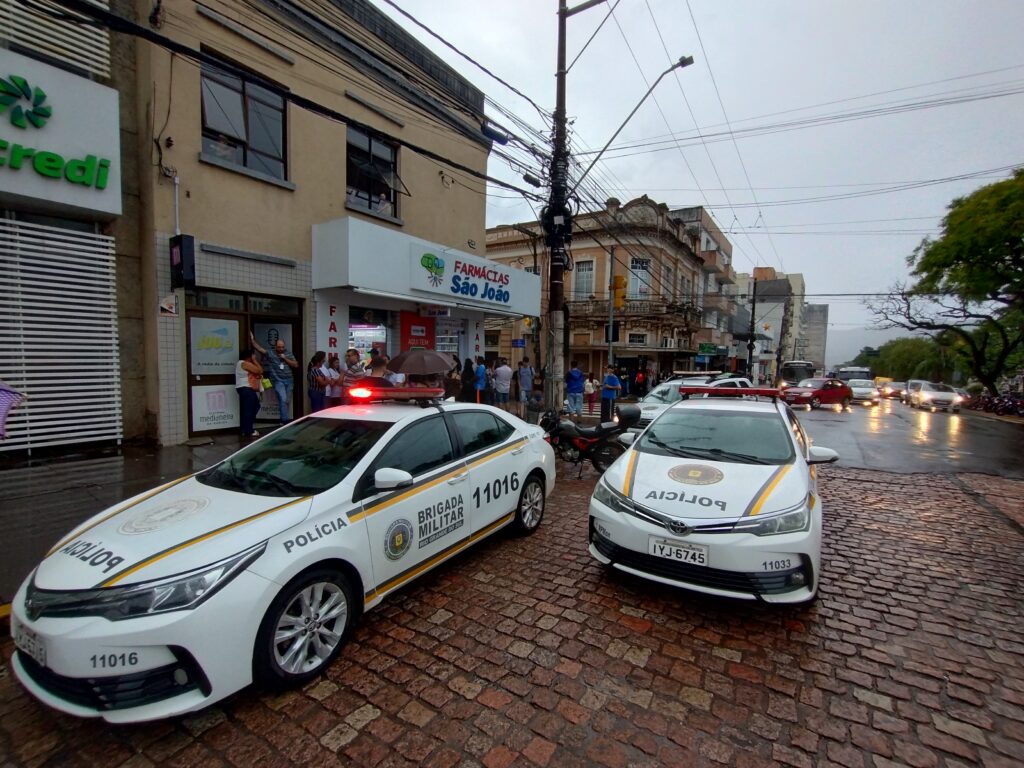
{"x":678,"y":527}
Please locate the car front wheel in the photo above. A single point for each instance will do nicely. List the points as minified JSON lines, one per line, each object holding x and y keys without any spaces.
{"x":815,"y":402}
{"x":303,"y":629}
{"x":846,"y":403}
{"x":530,"y":509}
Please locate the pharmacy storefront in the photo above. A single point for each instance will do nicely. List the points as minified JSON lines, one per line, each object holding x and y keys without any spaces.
{"x":375,"y":287}
{"x":60,"y":179}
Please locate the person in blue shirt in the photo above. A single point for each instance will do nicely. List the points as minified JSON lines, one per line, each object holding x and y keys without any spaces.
{"x":574,"y":390}
{"x":481,"y":378}
{"x":610,"y":388}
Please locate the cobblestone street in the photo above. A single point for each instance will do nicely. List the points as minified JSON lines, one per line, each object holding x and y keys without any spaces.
{"x":526,"y":652}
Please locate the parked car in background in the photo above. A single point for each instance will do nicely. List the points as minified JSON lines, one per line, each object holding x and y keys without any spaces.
{"x":913,"y":385}
{"x":935,"y":396}
{"x":893,"y":389}
{"x":818,"y":392}
{"x":864,"y":391}
{"x":662,"y":396}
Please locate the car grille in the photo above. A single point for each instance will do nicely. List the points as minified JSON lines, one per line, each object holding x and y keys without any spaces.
{"x":773,"y":583}
{"x":121,"y":691}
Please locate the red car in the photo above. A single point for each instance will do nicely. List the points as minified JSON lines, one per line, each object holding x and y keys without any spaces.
{"x":817,"y":392}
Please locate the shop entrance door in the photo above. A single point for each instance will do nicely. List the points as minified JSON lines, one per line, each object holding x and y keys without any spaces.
{"x":267,"y":331}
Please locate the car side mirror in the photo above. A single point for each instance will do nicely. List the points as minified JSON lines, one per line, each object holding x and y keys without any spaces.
{"x":389,"y":478}
{"x":819,"y":455}
{"x":627,"y":438}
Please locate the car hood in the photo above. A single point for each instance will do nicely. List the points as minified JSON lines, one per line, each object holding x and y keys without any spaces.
{"x":172,"y":529}
{"x":652,"y":410}
{"x":798,"y":391}
{"x":694,"y":488}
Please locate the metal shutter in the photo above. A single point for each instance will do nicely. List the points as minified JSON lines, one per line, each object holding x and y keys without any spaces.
{"x":58,"y":335}
{"x":81,"y":45}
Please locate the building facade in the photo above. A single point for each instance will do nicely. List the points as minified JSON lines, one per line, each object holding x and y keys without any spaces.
{"x":813,"y":339}
{"x":656,"y":258}
{"x":277,"y":180}
{"x":778,"y":316}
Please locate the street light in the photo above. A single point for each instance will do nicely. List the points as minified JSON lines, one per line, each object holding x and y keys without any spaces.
{"x":685,"y":61}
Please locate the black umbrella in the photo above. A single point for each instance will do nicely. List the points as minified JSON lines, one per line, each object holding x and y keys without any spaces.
{"x":421,"y":362}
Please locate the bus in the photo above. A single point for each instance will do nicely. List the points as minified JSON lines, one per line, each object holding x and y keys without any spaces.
{"x":853,"y":372}
{"x":795,"y":371}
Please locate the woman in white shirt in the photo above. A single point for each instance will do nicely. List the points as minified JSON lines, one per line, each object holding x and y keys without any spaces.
{"x":332,"y":370}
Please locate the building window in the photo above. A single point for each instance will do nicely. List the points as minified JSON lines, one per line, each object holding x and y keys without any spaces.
{"x":532,"y":270}
{"x":372,"y":180}
{"x":667,"y":281}
{"x":584,"y":280}
{"x":243,"y":124}
{"x":639,"y":278}
{"x":638,"y":339}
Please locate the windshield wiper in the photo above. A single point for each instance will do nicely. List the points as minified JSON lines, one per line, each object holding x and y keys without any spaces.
{"x":672,"y":449}
{"x":279,"y":483}
{"x":734,"y":455}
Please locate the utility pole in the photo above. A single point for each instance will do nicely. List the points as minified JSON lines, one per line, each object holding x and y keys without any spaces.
{"x":611,"y":304}
{"x":556,"y":218}
{"x":750,"y":342}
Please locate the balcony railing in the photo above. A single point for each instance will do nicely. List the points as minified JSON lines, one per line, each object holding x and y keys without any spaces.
{"x":711,"y":263}
{"x":599,"y":307}
{"x":725,"y":304}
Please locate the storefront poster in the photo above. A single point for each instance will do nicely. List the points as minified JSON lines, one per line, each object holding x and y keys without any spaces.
{"x":214,"y":407}
{"x":459,"y":278}
{"x":417,"y":332}
{"x":214,"y":346}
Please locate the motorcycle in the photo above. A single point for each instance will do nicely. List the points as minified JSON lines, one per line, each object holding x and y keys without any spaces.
{"x":598,"y":445}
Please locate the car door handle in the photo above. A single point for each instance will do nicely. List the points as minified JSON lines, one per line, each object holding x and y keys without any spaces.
{"x":517,"y":451}
{"x":458,"y":478}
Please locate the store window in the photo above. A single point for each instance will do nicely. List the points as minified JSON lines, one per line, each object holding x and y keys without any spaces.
{"x":372,"y":180}
{"x":243,"y":123}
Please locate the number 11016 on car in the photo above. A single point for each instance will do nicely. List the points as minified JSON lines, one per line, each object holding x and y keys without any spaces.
{"x":692,"y":554}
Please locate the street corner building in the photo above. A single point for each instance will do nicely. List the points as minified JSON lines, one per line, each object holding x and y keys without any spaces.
{"x":207,"y":171}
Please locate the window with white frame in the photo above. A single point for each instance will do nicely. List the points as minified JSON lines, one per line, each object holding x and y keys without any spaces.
{"x":638,"y":339}
{"x":639,"y":278}
{"x":583,"y":282}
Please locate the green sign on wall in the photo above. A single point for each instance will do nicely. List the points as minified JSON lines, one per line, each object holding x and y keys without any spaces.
{"x":707,"y":348}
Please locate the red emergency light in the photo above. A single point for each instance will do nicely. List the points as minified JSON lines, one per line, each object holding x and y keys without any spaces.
{"x":380,"y":394}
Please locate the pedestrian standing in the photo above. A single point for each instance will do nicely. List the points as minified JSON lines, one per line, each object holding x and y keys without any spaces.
{"x":248,"y":384}
{"x":467,"y":391}
{"x":525,"y":378}
{"x":574,"y":383}
{"x":480,"y":379}
{"x":502,"y":383}
{"x":610,"y":388}
{"x":333,"y":371}
{"x":316,"y":382}
{"x":278,"y":367}
{"x":352,"y":373}
{"x":590,"y":387}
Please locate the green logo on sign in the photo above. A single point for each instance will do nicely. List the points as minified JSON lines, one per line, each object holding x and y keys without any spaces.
{"x":13,"y":91}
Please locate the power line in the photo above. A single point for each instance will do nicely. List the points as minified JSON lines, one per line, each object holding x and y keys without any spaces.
{"x":468,"y":58}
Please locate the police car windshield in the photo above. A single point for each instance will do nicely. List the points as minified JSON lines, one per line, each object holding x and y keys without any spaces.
{"x":301,"y":459}
{"x":663,"y":393}
{"x":736,"y":436}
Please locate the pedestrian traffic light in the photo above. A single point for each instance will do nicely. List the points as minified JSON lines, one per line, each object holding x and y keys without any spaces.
{"x":618,"y":291}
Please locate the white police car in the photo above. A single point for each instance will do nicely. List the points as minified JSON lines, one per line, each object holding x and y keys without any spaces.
{"x":717,"y":495}
{"x":256,"y":568}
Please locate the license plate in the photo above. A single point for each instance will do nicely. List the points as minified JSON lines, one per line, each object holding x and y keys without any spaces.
{"x":692,"y":554}
{"x":29,"y":643}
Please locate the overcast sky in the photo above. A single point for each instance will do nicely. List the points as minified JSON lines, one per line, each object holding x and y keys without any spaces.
{"x":867,"y":84}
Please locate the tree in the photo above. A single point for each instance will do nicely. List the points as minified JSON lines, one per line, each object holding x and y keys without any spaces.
{"x":969,"y":289}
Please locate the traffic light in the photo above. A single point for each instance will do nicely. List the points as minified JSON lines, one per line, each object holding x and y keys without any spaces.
{"x":618,"y":291}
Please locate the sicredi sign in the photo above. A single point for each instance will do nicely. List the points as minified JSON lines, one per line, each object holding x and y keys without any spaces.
{"x":59,"y":139}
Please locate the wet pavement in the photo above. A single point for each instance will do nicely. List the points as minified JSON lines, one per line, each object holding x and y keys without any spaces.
{"x":526,"y":652}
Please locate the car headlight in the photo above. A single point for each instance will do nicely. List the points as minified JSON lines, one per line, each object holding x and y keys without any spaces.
{"x":925,"y":395}
{"x":958,"y":398}
{"x":611,"y":498}
{"x":789,"y":522}
{"x":174,"y":593}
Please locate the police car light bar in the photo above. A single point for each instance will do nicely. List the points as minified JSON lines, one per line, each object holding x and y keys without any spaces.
{"x":378,"y":394}
{"x":729,"y":392}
